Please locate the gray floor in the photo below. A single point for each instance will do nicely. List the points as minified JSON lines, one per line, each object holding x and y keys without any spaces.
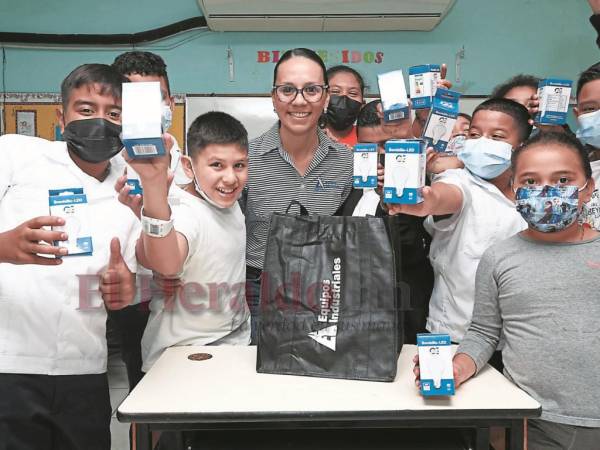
{"x":117,"y":381}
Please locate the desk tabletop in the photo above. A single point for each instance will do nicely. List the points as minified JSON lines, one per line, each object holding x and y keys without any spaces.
{"x":227,"y":387}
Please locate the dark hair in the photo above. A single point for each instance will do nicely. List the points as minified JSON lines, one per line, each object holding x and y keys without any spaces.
{"x":215,"y":127}
{"x":305,"y":53}
{"x":346,"y":69}
{"x":105,"y":76}
{"x":520,"y":80}
{"x":142,"y":63}
{"x":465,"y":116}
{"x":368,"y":116}
{"x":518,"y":112}
{"x":590,"y":74}
{"x":563,"y":139}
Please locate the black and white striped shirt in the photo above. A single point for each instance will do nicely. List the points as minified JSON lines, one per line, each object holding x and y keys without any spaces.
{"x":273,"y":182}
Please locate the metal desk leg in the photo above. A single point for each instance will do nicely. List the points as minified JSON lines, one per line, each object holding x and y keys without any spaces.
{"x":482,"y":438}
{"x":515,"y":435}
{"x":143,"y":437}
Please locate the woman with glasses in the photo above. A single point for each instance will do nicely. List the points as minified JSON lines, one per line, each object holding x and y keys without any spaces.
{"x":294,"y":160}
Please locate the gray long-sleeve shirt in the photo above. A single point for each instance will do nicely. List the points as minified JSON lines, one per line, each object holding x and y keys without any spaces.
{"x":545,"y":298}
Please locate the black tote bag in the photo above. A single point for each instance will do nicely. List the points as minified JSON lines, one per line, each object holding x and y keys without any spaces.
{"x":328,"y":299}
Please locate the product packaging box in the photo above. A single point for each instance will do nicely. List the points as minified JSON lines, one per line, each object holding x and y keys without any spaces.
{"x":365,"y":166}
{"x":405,"y":166}
{"x":435,"y":364}
{"x":554,"y":95}
{"x":442,"y":118}
{"x":141,"y":119}
{"x":71,"y":205}
{"x":393,"y":96}
{"x":423,"y":82}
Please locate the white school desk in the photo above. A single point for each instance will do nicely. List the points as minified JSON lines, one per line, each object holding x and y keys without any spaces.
{"x":225,"y":392}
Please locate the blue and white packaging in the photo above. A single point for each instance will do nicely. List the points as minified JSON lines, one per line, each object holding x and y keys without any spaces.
{"x":141,"y":119}
{"x":394,"y":100}
{"x":435,"y":364}
{"x":422,"y":82}
{"x":554,"y":95}
{"x":365,"y":166}
{"x":441,"y":120}
{"x":71,"y":205}
{"x":135,"y":185}
{"x":405,"y":165}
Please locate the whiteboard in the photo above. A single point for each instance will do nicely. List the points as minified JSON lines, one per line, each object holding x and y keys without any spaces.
{"x":256,"y":111}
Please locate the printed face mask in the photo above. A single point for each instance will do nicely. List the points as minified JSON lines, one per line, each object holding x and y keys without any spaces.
{"x":93,"y":140}
{"x":548,"y":208}
{"x":589,"y":128}
{"x":342,"y":112}
{"x":166,"y":117}
{"x":456,"y":144}
{"x":486,"y":158}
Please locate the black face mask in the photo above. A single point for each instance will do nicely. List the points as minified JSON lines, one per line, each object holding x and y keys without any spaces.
{"x":342,"y":112}
{"x":93,"y":140}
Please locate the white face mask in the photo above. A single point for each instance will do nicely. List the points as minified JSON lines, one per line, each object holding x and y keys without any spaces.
{"x":201,"y":192}
{"x":589,"y":128}
{"x":486,"y":158}
{"x":166,"y":117}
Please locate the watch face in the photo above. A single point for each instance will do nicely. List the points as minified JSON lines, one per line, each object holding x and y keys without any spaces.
{"x":155,"y":229}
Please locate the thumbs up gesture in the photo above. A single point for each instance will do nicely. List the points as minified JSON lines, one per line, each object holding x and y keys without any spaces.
{"x":117,"y":284}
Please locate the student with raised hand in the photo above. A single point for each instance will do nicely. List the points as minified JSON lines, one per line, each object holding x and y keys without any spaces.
{"x":587,"y":112}
{"x":470,"y":209}
{"x":294,"y":160}
{"x":53,"y":381}
{"x":539,"y":291}
{"x":523,"y":89}
{"x":129,"y":323}
{"x":346,"y":91}
{"x":200,"y":239}
{"x":411,"y":244}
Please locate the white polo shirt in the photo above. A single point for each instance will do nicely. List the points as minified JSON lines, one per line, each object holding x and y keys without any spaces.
{"x":486,"y":217}
{"x":211,"y":308}
{"x":46,"y":326}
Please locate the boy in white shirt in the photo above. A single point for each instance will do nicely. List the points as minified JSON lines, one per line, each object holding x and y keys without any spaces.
{"x":477,"y":205}
{"x":202,"y":239}
{"x":53,"y":382}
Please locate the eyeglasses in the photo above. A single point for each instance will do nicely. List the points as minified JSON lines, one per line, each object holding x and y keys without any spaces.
{"x":311,"y":93}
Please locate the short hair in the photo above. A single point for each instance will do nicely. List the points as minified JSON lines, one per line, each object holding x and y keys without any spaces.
{"x":215,"y":127}
{"x":346,"y":69}
{"x":518,"y":112}
{"x":142,"y":63}
{"x":304,"y":53}
{"x":103,"y":75}
{"x":520,"y":80}
{"x":562,"y":139}
{"x":590,"y":74}
{"x":465,"y":116}
{"x":368,"y":115}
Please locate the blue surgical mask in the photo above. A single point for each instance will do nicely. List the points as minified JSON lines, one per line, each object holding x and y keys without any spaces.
{"x":589,"y":128}
{"x":548,"y":208}
{"x":486,"y":158}
{"x":166,"y":117}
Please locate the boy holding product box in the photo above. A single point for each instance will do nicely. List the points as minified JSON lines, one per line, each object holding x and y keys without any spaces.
{"x":478,"y":208}
{"x":53,"y":362}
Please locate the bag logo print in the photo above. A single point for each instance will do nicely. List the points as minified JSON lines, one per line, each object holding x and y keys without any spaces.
{"x":330,"y":308}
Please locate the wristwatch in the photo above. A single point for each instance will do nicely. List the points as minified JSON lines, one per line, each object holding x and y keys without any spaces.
{"x":156,"y":227}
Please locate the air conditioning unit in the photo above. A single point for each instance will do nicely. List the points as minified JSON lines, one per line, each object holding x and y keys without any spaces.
{"x":324,"y":15}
